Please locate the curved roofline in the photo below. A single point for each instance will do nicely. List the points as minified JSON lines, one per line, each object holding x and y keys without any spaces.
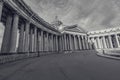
{"x":27,"y":10}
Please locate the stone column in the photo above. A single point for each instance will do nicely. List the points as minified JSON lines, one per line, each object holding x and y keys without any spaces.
{"x":74,"y":42}
{"x":104,"y":42}
{"x":61,"y":43}
{"x":70,"y":42}
{"x":21,"y":39}
{"x":57,"y":43}
{"x":14,"y":33}
{"x":117,"y":41}
{"x":80,"y":44}
{"x":35,"y":39}
{"x":49,"y":41}
{"x":52,"y":43}
{"x":110,"y":41}
{"x":90,"y":43}
{"x":7,"y":34}
{"x":26,"y":44}
{"x":47,"y":44}
{"x":30,"y":41}
{"x":1,"y":8}
{"x":83,"y":42}
{"x":86,"y":42}
{"x":41,"y":40}
{"x":65,"y":42}
{"x":98,"y":42}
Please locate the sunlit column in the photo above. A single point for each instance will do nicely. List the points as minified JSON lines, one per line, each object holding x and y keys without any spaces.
{"x":13,"y":40}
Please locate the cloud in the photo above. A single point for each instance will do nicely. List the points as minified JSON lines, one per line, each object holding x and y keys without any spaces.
{"x":89,"y":14}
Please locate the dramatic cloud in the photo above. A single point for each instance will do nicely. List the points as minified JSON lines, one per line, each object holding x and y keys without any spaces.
{"x":88,"y":14}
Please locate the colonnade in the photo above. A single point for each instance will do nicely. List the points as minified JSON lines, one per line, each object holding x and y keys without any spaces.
{"x":23,"y":35}
{"x":74,"y":42}
{"x":106,"y":41}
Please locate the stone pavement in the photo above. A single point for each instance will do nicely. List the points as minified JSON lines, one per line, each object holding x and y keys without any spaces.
{"x":77,"y":66}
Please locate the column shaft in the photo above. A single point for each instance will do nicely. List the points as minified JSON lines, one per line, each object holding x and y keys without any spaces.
{"x":80,"y":44}
{"x":42,"y":40}
{"x":104,"y":42}
{"x":14,"y":33}
{"x":65,"y":42}
{"x":35,"y":39}
{"x":7,"y":34}
{"x":26,"y":44}
{"x":70,"y":42}
{"x":110,"y":41}
{"x":117,"y":41}
{"x":21,"y":39}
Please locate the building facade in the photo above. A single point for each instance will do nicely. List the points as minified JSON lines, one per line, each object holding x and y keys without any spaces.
{"x":25,"y":31}
{"x":105,"y":39}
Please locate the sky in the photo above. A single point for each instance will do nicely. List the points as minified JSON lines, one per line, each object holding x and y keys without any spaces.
{"x":89,"y":14}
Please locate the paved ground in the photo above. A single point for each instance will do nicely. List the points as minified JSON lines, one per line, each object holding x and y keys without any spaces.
{"x":77,"y":66}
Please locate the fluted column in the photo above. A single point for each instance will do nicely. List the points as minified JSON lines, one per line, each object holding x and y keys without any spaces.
{"x":110,"y":41}
{"x":26,"y":44}
{"x":7,"y":34}
{"x":21,"y":39}
{"x":117,"y":41}
{"x":1,"y":8}
{"x":13,"y":40}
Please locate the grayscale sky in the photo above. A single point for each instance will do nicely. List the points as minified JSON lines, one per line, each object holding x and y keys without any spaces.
{"x":88,"y":14}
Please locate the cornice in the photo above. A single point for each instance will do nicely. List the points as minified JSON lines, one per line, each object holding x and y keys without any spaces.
{"x":23,"y":9}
